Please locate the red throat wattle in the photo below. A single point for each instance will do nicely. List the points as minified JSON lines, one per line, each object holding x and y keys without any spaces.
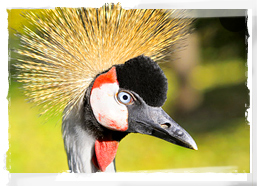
{"x":106,"y":148}
{"x":105,"y":151}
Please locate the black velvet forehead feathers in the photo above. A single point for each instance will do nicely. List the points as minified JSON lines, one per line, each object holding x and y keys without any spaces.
{"x":144,"y":76}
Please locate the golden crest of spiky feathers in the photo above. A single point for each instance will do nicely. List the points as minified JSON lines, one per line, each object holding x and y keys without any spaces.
{"x":65,"y":48}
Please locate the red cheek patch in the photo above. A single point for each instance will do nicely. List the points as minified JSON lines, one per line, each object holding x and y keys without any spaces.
{"x":105,"y":151}
{"x":108,"y":77}
{"x":112,"y":123}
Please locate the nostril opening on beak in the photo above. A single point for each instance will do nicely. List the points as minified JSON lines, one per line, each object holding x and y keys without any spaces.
{"x":165,"y":125}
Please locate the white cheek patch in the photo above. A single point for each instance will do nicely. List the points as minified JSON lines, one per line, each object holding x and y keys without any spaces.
{"x":107,"y":110}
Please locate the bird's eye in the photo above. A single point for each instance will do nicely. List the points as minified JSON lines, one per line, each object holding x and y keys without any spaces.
{"x":125,"y":98}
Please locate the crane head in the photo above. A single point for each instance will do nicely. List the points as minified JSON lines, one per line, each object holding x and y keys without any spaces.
{"x":128,"y":98}
{"x":87,"y":63}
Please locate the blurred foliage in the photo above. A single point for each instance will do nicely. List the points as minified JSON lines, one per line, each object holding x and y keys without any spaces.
{"x":218,"y":43}
{"x":210,"y":76}
{"x":217,"y":122}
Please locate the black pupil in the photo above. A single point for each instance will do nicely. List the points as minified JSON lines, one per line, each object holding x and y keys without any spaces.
{"x":125,"y":97}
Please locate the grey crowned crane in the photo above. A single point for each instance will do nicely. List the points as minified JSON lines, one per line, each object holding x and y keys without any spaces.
{"x":96,"y":65}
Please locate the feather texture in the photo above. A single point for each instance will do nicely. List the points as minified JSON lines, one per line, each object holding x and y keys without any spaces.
{"x":65,"y":48}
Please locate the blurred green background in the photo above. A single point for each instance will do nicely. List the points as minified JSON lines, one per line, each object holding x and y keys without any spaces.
{"x":207,"y":96}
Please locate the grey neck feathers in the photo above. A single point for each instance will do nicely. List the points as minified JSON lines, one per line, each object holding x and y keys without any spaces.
{"x":79,"y":135}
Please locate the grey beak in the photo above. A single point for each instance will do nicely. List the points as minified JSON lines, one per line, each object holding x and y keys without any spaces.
{"x":156,"y":122}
